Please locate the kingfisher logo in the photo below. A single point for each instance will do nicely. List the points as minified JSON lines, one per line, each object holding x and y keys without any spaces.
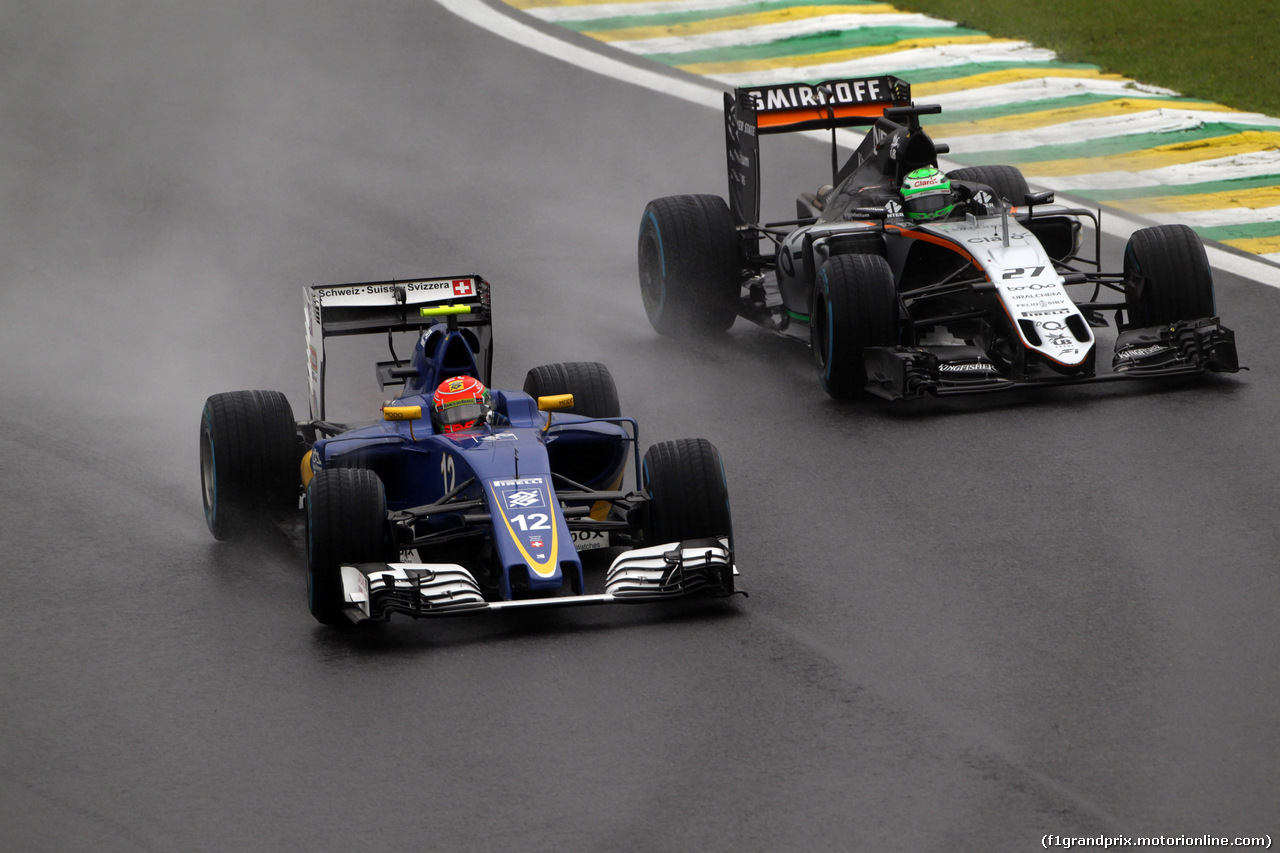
{"x":973,"y":367}
{"x":1143,"y":352}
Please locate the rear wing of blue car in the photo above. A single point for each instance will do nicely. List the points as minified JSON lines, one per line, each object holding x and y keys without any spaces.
{"x":387,"y":307}
{"x":753,"y":111}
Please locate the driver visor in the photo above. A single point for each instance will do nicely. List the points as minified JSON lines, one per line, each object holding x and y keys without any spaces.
{"x":460,"y":413}
{"x":930,"y":202}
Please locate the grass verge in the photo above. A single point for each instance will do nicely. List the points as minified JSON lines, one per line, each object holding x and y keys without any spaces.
{"x":1224,"y":52}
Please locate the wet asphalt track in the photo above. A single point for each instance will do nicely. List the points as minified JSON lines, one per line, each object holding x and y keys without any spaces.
{"x":971,"y":622}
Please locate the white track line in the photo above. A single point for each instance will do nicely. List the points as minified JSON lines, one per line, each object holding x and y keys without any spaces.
{"x":766,"y":33}
{"x":600,"y":11}
{"x":913,"y":59}
{"x":1043,"y":88}
{"x":1255,"y":164}
{"x":483,"y":15}
{"x":1158,"y":121}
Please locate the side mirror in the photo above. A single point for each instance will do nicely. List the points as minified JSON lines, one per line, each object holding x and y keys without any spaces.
{"x":1032,"y":199}
{"x":551,"y":403}
{"x":402,"y":413}
{"x":555,"y":401}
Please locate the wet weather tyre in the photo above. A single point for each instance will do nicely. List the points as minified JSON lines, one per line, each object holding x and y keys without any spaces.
{"x":855,"y":305}
{"x":1167,"y":276}
{"x":595,"y":394}
{"x":346,"y":523}
{"x":1006,"y":182}
{"x":690,"y":264}
{"x":248,"y":460}
{"x":689,"y":498}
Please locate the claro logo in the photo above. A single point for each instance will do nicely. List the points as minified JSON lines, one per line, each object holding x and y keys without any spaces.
{"x":1013,"y":235}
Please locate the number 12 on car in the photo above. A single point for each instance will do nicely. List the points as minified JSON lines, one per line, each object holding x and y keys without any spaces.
{"x":532,"y":521}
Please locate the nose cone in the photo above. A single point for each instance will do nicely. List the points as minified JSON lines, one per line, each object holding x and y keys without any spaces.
{"x":530,"y":536}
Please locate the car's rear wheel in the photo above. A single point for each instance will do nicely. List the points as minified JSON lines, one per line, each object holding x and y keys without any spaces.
{"x":1006,"y":182}
{"x":688,"y":495}
{"x":855,"y":305}
{"x":1167,"y":276}
{"x":690,"y":264}
{"x":346,"y":523}
{"x":248,"y":459}
{"x":595,"y":394}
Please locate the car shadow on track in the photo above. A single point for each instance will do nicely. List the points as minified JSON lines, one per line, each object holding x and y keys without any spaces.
{"x":773,"y":359}
{"x":267,"y":563}
{"x":1211,"y":388}
{"x":403,"y":634}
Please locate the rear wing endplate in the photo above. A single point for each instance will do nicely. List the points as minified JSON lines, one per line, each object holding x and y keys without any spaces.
{"x":386,"y":307}
{"x":756,"y":110}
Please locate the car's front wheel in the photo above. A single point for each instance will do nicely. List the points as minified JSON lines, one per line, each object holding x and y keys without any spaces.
{"x":855,"y":305}
{"x":346,"y":523}
{"x":688,"y":494}
{"x":690,"y":264}
{"x":1167,"y":276}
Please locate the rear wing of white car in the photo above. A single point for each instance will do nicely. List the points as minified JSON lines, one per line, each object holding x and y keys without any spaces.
{"x":376,"y":307}
{"x":756,"y":110}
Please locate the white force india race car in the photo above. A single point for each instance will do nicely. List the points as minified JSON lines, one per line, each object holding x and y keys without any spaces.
{"x":907,"y":281}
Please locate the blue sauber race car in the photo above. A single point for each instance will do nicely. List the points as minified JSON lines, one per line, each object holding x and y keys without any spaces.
{"x":458,"y":506}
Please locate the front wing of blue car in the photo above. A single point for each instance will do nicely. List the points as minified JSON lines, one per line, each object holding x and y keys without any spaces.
{"x":696,"y":567}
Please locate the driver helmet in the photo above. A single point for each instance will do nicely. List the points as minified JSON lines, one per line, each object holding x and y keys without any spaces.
{"x":460,"y":403}
{"x":926,"y":194}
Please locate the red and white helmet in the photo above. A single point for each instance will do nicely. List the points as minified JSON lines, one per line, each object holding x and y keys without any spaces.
{"x":460,"y":403}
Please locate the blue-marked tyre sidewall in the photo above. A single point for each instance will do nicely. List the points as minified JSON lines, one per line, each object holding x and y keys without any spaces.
{"x":214,"y":516}
{"x":653,"y":275}
{"x":840,"y":368}
{"x":855,"y":306}
{"x":248,"y":460}
{"x":690,"y":265}
{"x":825,"y":344}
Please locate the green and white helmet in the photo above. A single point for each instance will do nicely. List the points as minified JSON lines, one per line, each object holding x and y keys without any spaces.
{"x":926,"y":194}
